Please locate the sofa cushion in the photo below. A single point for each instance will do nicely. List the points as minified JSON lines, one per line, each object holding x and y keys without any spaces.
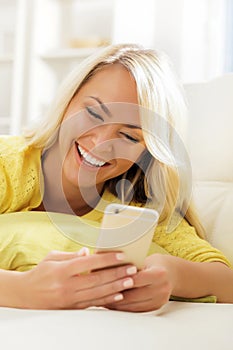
{"x":210,"y":145}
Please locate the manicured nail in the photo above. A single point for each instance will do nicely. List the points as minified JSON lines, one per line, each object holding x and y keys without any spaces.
{"x":83,"y":251}
{"x":120,"y":256}
{"x":118,"y":297}
{"x":131,"y":270}
{"x":128,"y":283}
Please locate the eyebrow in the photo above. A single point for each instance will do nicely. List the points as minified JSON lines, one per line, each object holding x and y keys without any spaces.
{"x":107,"y":111}
{"x":102,"y":105}
{"x":131,"y":126}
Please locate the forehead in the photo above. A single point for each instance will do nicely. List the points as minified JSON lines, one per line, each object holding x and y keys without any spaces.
{"x":115,"y":88}
{"x":114,"y":83}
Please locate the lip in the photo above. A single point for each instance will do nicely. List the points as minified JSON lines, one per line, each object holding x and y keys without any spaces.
{"x":83,"y":163}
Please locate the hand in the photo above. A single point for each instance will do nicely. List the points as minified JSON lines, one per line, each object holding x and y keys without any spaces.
{"x":62,"y":281}
{"x":152,"y":287}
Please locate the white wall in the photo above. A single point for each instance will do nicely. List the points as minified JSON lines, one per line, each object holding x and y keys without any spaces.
{"x":191,"y":32}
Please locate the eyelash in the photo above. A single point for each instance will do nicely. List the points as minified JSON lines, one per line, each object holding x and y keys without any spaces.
{"x":94,"y":114}
{"x":97,"y":116}
{"x":130,"y":138}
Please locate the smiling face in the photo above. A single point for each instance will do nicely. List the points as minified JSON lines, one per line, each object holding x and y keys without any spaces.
{"x":100,"y":137}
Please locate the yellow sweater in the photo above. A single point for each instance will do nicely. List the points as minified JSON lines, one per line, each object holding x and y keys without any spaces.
{"x":26,"y":237}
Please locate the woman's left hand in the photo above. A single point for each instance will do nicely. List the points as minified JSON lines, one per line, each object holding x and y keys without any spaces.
{"x":152,"y":287}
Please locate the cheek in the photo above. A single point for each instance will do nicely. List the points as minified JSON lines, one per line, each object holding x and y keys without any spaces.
{"x":76,"y":124}
{"x":72,"y":128}
{"x":69,"y":168}
{"x":128,"y":152}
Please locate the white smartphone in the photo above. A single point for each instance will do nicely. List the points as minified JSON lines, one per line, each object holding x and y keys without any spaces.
{"x":128,"y":229}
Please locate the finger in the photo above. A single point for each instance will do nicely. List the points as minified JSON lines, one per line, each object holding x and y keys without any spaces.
{"x":152,"y":296}
{"x":84,"y":251}
{"x":102,"y":291}
{"x":100,"y":302}
{"x":102,"y":277}
{"x":136,"y":295}
{"x":152,"y":275}
{"x":56,"y":255}
{"x":143,"y":306}
{"x":136,"y":303}
{"x":95,"y":261}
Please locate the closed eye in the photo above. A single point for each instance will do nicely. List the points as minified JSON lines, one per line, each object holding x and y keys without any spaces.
{"x":130,"y":138}
{"x":94,"y":114}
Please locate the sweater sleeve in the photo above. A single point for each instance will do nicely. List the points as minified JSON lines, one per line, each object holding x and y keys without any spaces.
{"x":184,"y":242}
{"x":19,"y":175}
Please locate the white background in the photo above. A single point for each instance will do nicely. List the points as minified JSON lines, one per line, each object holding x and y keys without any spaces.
{"x":37,"y":43}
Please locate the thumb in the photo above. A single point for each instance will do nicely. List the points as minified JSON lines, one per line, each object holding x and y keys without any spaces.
{"x":84,"y":251}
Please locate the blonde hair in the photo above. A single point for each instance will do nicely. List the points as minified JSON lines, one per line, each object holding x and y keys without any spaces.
{"x":158,"y":90}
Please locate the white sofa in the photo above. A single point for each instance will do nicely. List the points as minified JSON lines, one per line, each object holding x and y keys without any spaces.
{"x":210,"y":139}
{"x":177,"y":325}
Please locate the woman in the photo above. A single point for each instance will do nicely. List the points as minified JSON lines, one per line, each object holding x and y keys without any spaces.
{"x":99,"y":135}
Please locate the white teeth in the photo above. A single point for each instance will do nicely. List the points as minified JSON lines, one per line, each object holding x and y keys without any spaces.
{"x":91,"y":160}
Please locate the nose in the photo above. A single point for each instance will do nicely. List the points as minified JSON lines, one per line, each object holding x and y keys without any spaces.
{"x":103,"y":138}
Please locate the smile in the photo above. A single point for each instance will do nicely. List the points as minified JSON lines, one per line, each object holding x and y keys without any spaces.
{"x":88,"y":159}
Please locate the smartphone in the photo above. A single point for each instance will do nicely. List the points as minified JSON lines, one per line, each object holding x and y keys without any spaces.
{"x":128,"y":229}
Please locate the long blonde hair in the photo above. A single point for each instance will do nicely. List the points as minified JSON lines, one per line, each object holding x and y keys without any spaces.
{"x":158,"y":90}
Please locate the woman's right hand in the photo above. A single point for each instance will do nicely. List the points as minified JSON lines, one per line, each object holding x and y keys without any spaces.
{"x":67,"y":281}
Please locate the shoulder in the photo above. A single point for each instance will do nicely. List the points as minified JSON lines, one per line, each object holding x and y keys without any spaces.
{"x":15,"y":147}
{"x":19,"y":174}
{"x":10,"y":144}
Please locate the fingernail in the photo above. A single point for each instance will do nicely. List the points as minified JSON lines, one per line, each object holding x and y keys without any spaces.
{"x":83,"y":251}
{"x":120,"y":256}
{"x":131,"y":270}
{"x":128,"y":283}
{"x":118,"y":297}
